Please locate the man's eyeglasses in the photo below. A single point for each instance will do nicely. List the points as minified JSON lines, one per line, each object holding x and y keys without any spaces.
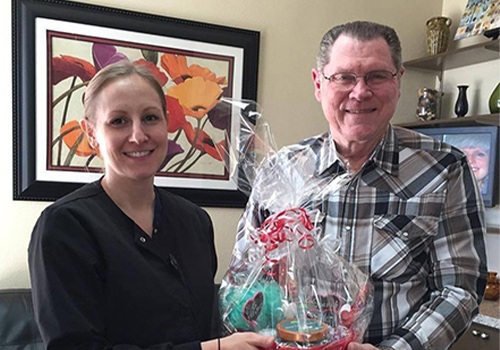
{"x":374,"y":80}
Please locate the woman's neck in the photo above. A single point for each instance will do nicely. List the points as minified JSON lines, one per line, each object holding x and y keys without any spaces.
{"x":133,"y":193}
{"x":134,"y":198}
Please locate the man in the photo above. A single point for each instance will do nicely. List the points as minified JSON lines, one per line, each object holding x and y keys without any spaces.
{"x":410,"y":214}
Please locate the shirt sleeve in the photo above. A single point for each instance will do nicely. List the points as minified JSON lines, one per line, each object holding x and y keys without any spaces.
{"x":66,"y":274}
{"x":457,"y":270}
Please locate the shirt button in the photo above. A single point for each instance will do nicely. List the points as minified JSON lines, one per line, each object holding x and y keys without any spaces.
{"x":142,"y":239}
{"x":348,"y":228}
{"x":405,"y":234}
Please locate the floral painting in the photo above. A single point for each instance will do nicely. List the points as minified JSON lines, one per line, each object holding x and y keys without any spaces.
{"x":203,"y":68}
{"x":193,"y":82}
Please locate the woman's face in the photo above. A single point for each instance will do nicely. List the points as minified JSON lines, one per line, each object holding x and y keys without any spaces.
{"x":130,"y":129}
{"x":479,"y":160}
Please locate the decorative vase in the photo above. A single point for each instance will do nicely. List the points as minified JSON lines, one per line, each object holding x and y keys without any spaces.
{"x":438,"y":34}
{"x":462,"y":106}
{"x":427,"y":107}
{"x":495,"y":100}
{"x":492,"y":290}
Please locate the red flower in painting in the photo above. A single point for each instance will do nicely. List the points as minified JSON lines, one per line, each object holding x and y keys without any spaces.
{"x":199,"y":71}
{"x":176,"y":67}
{"x":159,"y":75}
{"x":200,"y":140}
{"x":68,"y":66}
{"x":176,"y":117}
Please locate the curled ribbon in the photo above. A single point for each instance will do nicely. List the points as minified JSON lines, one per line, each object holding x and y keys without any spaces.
{"x":286,"y":226}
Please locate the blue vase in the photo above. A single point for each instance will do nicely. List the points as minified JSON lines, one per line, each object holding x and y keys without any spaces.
{"x":462,"y":106}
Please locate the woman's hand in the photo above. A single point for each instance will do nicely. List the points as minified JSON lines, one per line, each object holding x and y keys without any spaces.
{"x":358,"y":346}
{"x":241,"y":341}
{"x":246,"y":341}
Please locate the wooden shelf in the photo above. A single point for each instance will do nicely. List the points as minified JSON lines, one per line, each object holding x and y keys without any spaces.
{"x":473,"y":54}
{"x":485,"y":119}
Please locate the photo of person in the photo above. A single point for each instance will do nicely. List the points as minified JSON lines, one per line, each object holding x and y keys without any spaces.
{"x":477,"y":149}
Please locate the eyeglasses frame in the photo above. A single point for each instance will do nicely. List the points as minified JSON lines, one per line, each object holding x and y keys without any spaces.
{"x":358,"y":77}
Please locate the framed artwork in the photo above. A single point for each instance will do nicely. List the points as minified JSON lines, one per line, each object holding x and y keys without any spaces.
{"x":58,"y":46}
{"x":479,"y":16}
{"x":480,"y":145}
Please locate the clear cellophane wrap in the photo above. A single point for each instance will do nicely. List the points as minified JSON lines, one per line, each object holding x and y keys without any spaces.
{"x":286,"y":277}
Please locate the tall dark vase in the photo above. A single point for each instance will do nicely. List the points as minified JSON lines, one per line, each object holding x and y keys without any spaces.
{"x":462,"y":105}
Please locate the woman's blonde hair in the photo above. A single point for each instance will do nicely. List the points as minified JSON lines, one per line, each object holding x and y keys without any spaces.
{"x":115,"y":71}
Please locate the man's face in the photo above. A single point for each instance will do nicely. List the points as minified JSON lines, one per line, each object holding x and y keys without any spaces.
{"x":360,"y":114}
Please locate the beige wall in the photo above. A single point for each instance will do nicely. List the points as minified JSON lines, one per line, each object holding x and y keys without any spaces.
{"x":290,"y":31}
{"x":482,"y":79}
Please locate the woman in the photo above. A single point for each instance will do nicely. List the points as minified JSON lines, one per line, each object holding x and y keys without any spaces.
{"x":477,"y":149}
{"x":119,"y":263}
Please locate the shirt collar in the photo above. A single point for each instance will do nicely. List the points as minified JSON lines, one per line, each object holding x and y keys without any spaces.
{"x":328,"y":160}
{"x":385,"y":156}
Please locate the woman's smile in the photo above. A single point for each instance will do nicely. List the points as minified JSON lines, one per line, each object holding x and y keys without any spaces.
{"x":137,"y":154}
{"x":131,"y":129}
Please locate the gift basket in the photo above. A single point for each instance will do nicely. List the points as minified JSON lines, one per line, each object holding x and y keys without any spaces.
{"x":286,"y":277}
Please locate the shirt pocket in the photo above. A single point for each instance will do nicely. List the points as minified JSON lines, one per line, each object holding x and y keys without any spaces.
{"x":399,"y":247}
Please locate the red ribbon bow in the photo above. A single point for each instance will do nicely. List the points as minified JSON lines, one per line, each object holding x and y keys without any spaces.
{"x":285,"y":226}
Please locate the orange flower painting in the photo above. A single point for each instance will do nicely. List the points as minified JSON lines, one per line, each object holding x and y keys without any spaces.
{"x":203,"y":70}
{"x":193,"y":88}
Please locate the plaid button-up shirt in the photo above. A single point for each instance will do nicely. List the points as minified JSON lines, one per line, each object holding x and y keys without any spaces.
{"x":412,"y":219}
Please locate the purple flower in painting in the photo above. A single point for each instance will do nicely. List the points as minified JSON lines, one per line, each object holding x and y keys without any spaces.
{"x":173,"y":149}
{"x":220,"y":116}
{"x":104,"y":55}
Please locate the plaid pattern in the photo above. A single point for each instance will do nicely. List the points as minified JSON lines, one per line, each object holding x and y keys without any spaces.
{"x":412,"y":218}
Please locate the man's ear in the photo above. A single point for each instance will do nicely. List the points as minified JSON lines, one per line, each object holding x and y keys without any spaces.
{"x":401,"y":72}
{"x":316,"y":77}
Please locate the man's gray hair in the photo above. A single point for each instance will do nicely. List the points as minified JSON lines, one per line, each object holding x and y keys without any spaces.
{"x":363,"y":31}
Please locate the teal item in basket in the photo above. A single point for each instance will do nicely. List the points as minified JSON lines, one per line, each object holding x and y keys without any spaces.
{"x":255,"y":308}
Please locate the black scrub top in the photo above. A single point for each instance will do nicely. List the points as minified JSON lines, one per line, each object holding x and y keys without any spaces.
{"x":100,"y":282}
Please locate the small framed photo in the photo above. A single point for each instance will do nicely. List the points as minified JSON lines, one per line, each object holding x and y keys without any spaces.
{"x":480,"y":145}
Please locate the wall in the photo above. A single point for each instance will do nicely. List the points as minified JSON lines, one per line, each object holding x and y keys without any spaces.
{"x":290,"y":31}
{"x":482,"y":79}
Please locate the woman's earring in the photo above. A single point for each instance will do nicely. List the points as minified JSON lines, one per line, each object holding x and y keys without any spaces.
{"x":92,"y":142}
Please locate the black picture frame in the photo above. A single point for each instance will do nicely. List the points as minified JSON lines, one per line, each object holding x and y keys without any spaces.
{"x":26,"y":185}
{"x":474,"y":136}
